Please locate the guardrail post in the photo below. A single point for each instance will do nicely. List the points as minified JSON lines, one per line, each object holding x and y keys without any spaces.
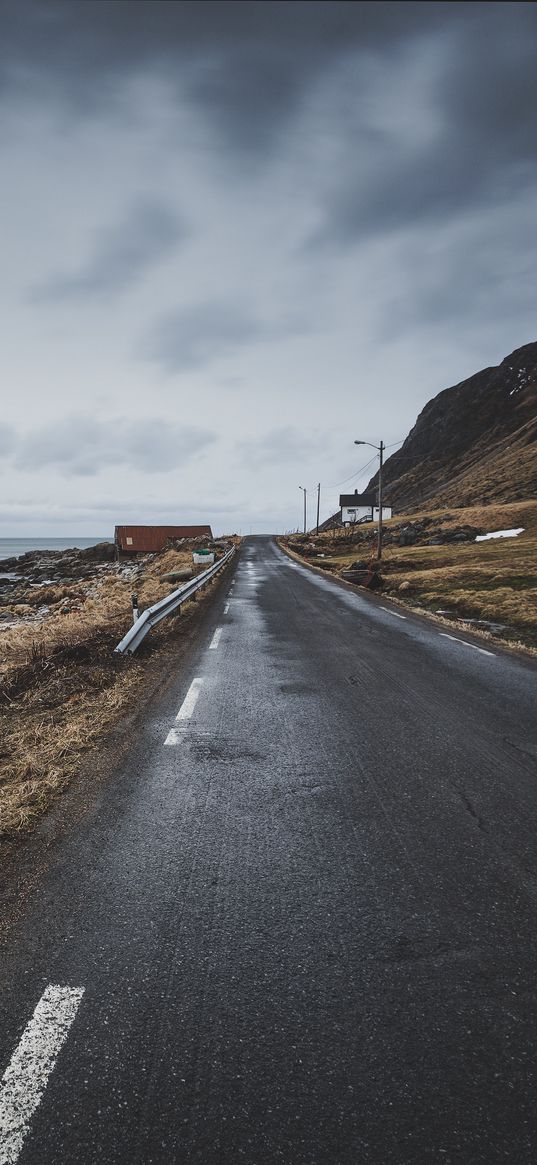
{"x":135,"y":612}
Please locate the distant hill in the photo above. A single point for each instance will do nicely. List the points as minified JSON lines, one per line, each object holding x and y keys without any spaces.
{"x":476,"y":442}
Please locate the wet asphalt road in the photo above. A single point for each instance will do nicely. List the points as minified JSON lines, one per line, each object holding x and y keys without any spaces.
{"x":307,"y":929}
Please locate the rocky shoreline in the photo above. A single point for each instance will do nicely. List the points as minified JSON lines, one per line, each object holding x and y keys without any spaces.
{"x":33,"y":583}
{"x":39,"y":564}
{"x":44,"y":582}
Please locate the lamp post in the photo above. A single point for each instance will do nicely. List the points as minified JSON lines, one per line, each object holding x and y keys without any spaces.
{"x":381,"y":449}
{"x":305,"y":492}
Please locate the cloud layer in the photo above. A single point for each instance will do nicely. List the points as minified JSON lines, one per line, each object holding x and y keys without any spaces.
{"x":82,"y":446}
{"x":256,"y":231}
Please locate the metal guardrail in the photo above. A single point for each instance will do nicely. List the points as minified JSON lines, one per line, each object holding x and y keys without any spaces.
{"x":153,"y":615}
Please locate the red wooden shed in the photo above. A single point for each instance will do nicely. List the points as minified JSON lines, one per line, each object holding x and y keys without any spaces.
{"x":149,"y":539}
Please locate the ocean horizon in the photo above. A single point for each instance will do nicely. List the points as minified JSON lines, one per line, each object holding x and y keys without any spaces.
{"x":13,"y":547}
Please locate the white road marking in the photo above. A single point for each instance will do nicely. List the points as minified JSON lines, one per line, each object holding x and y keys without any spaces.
{"x":394,"y":613}
{"x":226,"y":608}
{"x":175,"y":736}
{"x":466,"y":644}
{"x":32,"y":1062}
{"x":190,"y":700}
{"x":216,"y":638}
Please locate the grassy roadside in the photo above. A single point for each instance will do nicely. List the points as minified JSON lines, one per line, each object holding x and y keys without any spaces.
{"x":62,"y":688}
{"x":493,"y":582}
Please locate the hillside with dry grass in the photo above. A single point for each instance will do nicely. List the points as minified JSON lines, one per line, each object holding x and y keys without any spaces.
{"x":491,"y":584}
{"x":475,"y":443}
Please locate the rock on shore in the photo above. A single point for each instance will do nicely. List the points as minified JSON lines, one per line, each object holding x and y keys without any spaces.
{"x":31,"y":581}
{"x":37,"y":565}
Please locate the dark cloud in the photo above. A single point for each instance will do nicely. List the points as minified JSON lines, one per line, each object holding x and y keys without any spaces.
{"x":81,"y":446}
{"x":481,"y":99}
{"x":196,"y":335}
{"x":247,"y":65}
{"x":75,"y":41}
{"x":121,"y":255}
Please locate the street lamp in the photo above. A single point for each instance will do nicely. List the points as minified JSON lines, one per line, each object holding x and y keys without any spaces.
{"x":305,"y":494}
{"x":381,"y":449}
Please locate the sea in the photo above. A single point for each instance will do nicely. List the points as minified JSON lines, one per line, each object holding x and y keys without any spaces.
{"x":12,"y":547}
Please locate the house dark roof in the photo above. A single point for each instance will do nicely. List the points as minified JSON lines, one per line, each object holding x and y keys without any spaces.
{"x":356,"y":499}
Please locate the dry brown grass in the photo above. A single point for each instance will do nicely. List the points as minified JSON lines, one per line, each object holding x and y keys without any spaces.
{"x":173,"y":560}
{"x":42,"y":748}
{"x":494,"y":581}
{"x":52,"y":594}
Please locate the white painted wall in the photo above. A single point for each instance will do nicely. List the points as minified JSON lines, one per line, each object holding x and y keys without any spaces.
{"x":355,"y":513}
{"x":351,"y":514}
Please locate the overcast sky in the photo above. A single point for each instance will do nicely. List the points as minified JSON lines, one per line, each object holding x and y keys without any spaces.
{"x":236,"y":236}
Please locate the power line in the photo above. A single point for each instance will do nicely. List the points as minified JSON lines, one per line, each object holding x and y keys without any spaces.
{"x":352,"y":477}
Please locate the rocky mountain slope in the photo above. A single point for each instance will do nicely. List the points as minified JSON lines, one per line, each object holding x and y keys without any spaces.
{"x":474,"y":443}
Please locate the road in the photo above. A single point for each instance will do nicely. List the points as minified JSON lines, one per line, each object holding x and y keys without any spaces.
{"x":299,"y":925}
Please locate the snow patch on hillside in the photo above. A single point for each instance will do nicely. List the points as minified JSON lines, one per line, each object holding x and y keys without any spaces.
{"x":500,"y":534}
{"x":523,"y":380}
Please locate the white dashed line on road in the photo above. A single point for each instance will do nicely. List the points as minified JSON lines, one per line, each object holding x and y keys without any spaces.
{"x":226,"y":608}
{"x":394,"y":613}
{"x":464,"y":642}
{"x":32,"y":1062}
{"x":216,"y":638}
{"x":175,"y":736}
{"x":190,"y":700}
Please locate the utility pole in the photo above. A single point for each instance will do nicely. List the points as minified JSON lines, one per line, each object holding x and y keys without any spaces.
{"x":381,"y":452}
{"x":318,"y":505}
{"x":305,"y":492}
{"x":381,"y":449}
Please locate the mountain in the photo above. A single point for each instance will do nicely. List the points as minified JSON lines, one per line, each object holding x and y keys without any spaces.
{"x":476,"y":442}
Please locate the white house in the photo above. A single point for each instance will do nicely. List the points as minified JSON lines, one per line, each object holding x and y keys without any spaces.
{"x":361,"y":508}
